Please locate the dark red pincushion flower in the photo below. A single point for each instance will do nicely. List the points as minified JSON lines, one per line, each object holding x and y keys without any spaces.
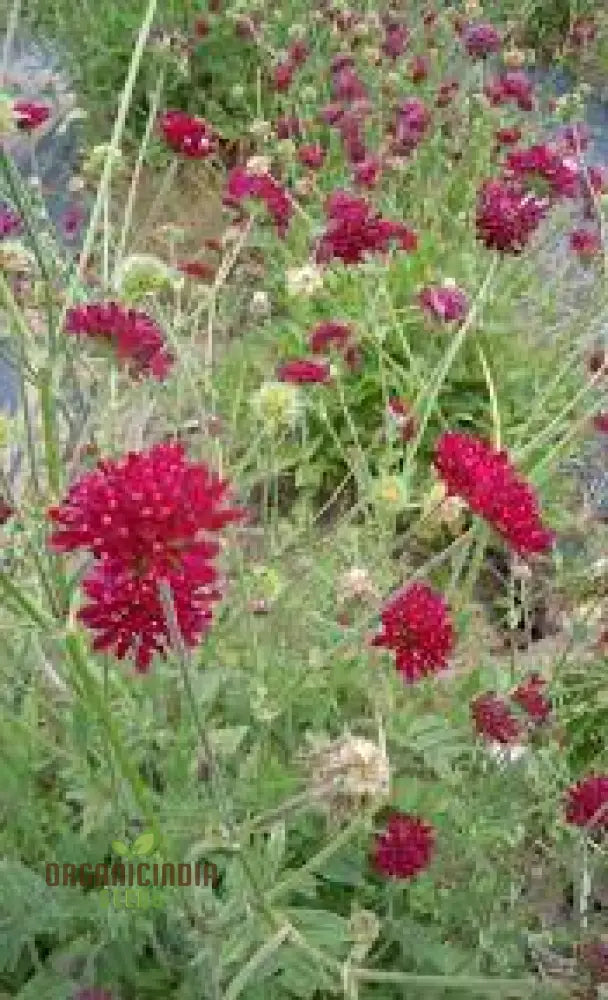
{"x":332,"y":113}
{"x":561,"y":174}
{"x":31,"y":114}
{"x":600,"y":422}
{"x":135,"y":337}
{"x":311,"y":155}
{"x":400,"y":415}
{"x":446,"y":93}
{"x":289,"y":127}
{"x":417,"y":627}
{"x":594,"y":956}
{"x":395,"y":40}
{"x":242,"y":185}
{"x":146,"y":518}
{"x":298,"y":52}
{"x":587,"y":803}
{"x":514,"y":86}
{"x":10,"y":221}
{"x":474,"y":471}
{"x":201,"y":27}
{"x":302,"y":371}
{"x":585,"y":242}
{"x":405,"y":848}
{"x":197,"y":269}
{"x":283,"y":76}
{"x":411,"y":124}
{"x":126,"y":611}
{"x":419,"y":69}
{"x":353,"y":231}
{"x":367,"y":171}
{"x":189,"y":136}
{"x":347,"y":85}
{"x":6,"y":511}
{"x":530,"y":696}
{"x":350,"y":127}
{"x":327,"y":334}
{"x":494,"y":719}
{"x":508,"y":136}
{"x":146,"y":510}
{"x":508,"y":215}
{"x":583,"y":31}
{"x":481,"y":39}
{"x":444,"y":302}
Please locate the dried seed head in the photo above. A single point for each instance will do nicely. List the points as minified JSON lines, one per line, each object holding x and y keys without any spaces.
{"x":347,"y":773}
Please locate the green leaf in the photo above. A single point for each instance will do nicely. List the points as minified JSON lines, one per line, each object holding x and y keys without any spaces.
{"x":144,"y":844}
{"x":119,"y":847}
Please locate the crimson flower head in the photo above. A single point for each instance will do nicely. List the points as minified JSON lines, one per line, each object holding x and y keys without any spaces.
{"x":494,"y":720}
{"x":585,"y":243}
{"x":444,"y":302}
{"x":417,"y":627}
{"x":575,"y":138}
{"x":530,"y":696}
{"x":560,"y":173}
{"x":148,"y":518}
{"x":354,"y":231}
{"x":446,"y":93}
{"x":600,"y":422}
{"x":289,"y":127}
{"x":508,"y":215}
{"x":587,"y":803}
{"x":303,"y":371}
{"x":594,"y":955}
{"x":411,"y":124}
{"x":347,"y":85}
{"x":350,"y":127}
{"x":241,"y":185}
{"x":583,"y":31}
{"x":405,"y":848}
{"x":481,"y":39}
{"x":419,"y":69}
{"x":283,"y":75}
{"x":10,"y":221}
{"x":311,"y":155}
{"x":298,"y":52}
{"x":329,"y":333}
{"x":189,"y":136}
{"x":514,"y":87}
{"x":31,"y":114}
{"x":367,"y":171}
{"x":135,"y":337}
{"x":508,"y":136}
{"x":395,"y":40}
{"x":484,"y":477}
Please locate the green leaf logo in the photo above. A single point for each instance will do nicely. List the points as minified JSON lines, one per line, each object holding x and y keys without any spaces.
{"x":119,"y":847}
{"x":144,"y":844}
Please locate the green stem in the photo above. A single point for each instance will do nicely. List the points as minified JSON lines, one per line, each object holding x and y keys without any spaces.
{"x":97,"y":702}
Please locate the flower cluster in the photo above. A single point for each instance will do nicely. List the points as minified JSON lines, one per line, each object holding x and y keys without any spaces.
{"x":417,"y":627}
{"x":560,"y":174}
{"x":513,"y":87}
{"x":411,"y":125}
{"x":495,"y":719}
{"x":444,"y":302}
{"x":587,"y":803}
{"x":486,"y":480}
{"x":10,"y":221}
{"x":508,"y":215}
{"x":244,"y":184}
{"x":301,"y":371}
{"x":135,"y":337}
{"x":405,"y":848}
{"x":31,"y":115}
{"x":189,"y":136}
{"x":147,"y":519}
{"x":354,"y":230}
